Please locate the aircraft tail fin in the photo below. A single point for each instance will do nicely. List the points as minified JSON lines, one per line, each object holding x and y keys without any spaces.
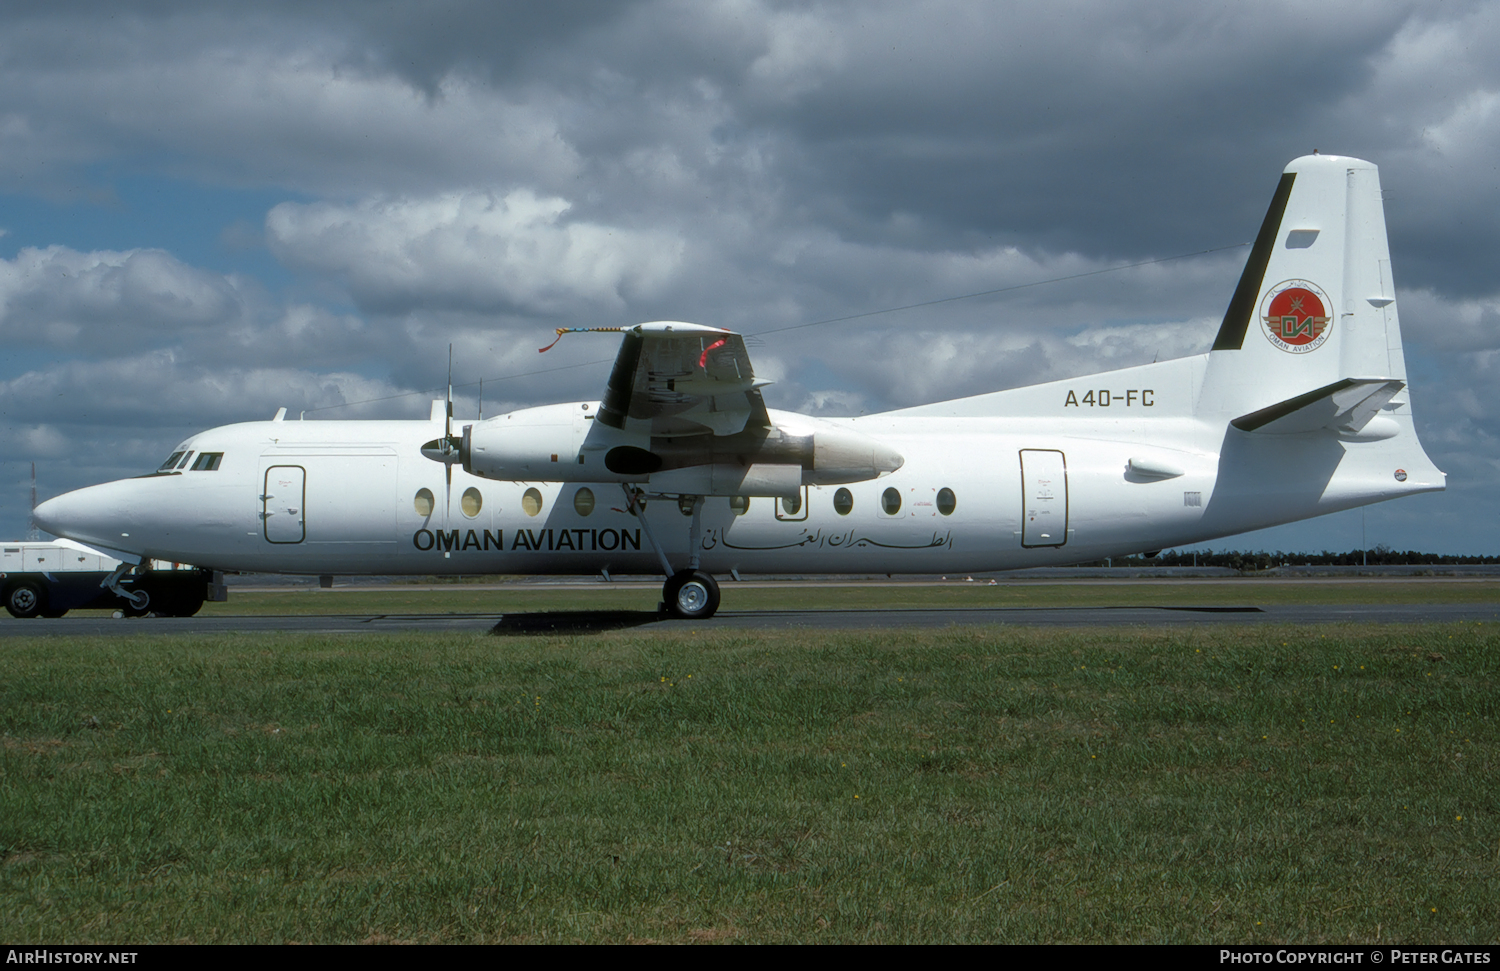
{"x":1314,"y":309}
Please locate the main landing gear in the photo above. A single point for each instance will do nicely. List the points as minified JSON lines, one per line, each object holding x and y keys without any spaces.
{"x":692,"y":595}
{"x":689,"y":594}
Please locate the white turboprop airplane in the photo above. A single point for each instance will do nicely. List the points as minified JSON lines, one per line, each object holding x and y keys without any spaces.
{"x":1301,"y":408}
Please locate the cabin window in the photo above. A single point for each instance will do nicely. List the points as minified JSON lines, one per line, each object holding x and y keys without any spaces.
{"x":793,"y":508}
{"x":531,"y":502}
{"x":471,"y":502}
{"x":583,"y":499}
{"x":843,"y":502}
{"x":208,"y":461}
{"x":947,"y":501}
{"x":890,"y":501}
{"x":170,"y":463}
{"x":424,"y":503}
{"x":685,"y":504}
{"x":739,"y":505}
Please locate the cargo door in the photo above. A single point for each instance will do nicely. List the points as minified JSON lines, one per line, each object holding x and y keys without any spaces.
{"x":1044,"y":498}
{"x":282,"y":504}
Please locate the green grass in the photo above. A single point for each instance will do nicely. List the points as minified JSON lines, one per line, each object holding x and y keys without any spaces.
{"x":644,"y":596}
{"x":1220,"y":784}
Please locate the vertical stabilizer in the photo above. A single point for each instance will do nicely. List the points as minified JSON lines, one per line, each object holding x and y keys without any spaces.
{"x":1316,"y":304}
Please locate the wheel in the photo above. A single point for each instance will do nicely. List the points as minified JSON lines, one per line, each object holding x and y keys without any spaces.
{"x":25,"y":599}
{"x":131,"y":610}
{"x":692,"y":595}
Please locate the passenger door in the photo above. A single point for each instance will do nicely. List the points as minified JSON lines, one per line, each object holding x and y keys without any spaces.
{"x":282,"y":504}
{"x":1044,"y":498}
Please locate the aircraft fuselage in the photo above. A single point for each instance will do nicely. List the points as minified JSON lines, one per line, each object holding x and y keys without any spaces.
{"x":974,"y":494}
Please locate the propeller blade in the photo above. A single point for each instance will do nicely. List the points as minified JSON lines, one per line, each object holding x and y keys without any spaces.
{"x":448,"y":448}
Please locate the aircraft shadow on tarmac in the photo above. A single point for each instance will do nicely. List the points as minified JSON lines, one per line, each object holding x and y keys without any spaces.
{"x":599,"y":621}
{"x":573,"y":621}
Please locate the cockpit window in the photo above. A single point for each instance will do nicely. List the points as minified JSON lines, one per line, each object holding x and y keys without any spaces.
{"x":170,"y":463}
{"x":184,"y":462}
{"x":208,"y":462}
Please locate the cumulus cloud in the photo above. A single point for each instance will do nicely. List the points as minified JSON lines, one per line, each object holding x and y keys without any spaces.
{"x":1444,"y":323}
{"x":472,"y":250}
{"x":139,"y":389}
{"x":98,"y":302}
{"x":258,"y":111}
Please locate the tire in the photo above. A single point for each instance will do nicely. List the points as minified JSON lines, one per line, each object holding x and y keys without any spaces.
{"x":691,"y":595}
{"x":130,"y":610}
{"x":25,"y":600}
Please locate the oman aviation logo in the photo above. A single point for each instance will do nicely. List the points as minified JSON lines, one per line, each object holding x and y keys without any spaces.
{"x":1294,"y":315}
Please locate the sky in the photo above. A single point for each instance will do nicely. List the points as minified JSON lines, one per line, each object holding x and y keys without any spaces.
{"x":209,"y":210}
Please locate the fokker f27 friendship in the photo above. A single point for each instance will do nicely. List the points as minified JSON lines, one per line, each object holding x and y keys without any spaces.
{"x":1301,"y":408}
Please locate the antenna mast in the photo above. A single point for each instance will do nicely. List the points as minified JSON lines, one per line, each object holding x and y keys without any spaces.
{"x":32,"y":533}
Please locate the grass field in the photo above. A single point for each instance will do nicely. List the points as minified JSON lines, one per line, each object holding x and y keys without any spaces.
{"x":458,"y":598}
{"x":1219,"y":784}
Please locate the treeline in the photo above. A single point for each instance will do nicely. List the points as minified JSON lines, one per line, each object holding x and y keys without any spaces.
{"x":1262,"y":560}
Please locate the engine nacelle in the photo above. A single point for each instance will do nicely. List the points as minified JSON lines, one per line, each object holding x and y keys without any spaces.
{"x":839,"y":454}
{"x":564,"y":443}
{"x":537,"y":444}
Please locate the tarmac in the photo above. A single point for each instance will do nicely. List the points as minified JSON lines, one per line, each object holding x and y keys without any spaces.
{"x":595,"y":621}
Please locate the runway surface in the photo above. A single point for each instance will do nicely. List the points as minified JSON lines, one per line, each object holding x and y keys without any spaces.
{"x":593,"y":621}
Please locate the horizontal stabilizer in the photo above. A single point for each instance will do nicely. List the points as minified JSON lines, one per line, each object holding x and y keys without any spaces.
{"x":1345,"y":406}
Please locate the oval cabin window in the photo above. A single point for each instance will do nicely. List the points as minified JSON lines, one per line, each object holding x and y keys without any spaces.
{"x":423,"y":503}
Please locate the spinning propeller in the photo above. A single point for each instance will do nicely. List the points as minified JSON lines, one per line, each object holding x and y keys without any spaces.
{"x":447,"y":449}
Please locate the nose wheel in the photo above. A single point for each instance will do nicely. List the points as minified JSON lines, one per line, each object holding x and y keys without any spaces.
{"x":691,"y":595}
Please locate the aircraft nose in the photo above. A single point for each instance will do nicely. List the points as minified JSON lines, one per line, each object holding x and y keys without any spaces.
{"x":101,"y":515}
{"x":53,"y":514}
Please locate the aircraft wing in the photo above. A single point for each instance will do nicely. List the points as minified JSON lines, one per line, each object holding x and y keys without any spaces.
{"x":685,"y":379}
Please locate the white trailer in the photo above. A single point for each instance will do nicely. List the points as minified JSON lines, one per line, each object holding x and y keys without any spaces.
{"x":47,"y":579}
